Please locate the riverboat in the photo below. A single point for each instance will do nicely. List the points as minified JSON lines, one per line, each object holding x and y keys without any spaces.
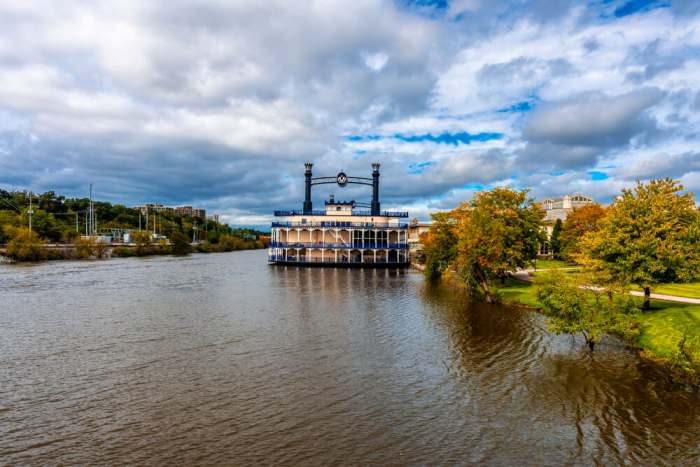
{"x":344,"y":234}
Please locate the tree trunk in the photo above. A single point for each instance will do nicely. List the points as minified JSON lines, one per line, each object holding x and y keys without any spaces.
{"x":591,"y":345}
{"x":647,"y":298}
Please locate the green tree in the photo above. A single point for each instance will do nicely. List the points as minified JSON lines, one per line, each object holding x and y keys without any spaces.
{"x":440,"y":244}
{"x":571,"y":308}
{"x":7,"y":219}
{"x":555,"y":240}
{"x":650,"y":235}
{"x":180,"y":243}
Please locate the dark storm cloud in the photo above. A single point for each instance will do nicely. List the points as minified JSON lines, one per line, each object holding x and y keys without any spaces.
{"x":595,"y":120}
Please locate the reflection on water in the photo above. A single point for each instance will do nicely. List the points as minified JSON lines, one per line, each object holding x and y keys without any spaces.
{"x":220,"y":358}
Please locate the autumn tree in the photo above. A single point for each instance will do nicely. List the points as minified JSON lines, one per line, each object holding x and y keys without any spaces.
{"x":650,"y":235}
{"x":582,"y":220}
{"x":24,"y":245}
{"x":497,"y":232}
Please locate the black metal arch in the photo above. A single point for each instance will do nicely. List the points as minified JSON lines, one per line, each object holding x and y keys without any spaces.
{"x":342,"y":180}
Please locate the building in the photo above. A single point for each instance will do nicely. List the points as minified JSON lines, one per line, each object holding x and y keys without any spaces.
{"x":560,"y":208}
{"x":344,"y":233}
{"x":153,"y":207}
{"x":214,"y":218}
{"x":416,"y":230}
{"x":191,"y":212}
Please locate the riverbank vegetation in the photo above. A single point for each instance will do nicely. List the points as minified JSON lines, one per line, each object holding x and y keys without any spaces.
{"x":648,"y":239}
{"x":60,"y":222}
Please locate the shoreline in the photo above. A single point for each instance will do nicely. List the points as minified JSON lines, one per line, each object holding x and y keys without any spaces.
{"x":675,"y":373}
{"x":6,"y":260}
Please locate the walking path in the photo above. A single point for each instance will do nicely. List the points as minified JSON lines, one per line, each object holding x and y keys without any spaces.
{"x":525,"y":276}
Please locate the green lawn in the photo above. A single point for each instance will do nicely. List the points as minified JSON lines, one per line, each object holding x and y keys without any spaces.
{"x":661,"y":328}
{"x":691,"y":289}
{"x":518,"y":292}
{"x":552,"y":264}
{"x":664,"y":325}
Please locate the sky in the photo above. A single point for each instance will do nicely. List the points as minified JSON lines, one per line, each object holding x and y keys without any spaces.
{"x":219,"y":103}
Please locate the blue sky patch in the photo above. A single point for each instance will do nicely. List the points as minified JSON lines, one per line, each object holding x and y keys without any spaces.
{"x":450,"y":138}
{"x":524,"y":106}
{"x":598,"y":176}
{"x":638,"y":6}
{"x":419,"y":167}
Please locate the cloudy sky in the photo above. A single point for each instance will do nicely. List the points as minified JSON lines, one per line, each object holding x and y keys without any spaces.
{"x":218,"y":103}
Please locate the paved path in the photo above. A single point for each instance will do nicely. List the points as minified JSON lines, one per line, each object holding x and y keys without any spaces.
{"x":524,"y":275}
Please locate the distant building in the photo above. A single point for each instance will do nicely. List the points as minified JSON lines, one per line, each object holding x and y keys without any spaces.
{"x":415,"y":230}
{"x":560,"y":208}
{"x":150,"y":208}
{"x":153,"y":207}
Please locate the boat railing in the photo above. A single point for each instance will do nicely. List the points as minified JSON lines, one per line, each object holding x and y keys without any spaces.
{"x":295,"y":212}
{"x":304,"y":259}
{"x":344,"y":246}
{"x":339,"y":224}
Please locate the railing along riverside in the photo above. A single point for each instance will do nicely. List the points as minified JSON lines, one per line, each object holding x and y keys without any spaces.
{"x":344,"y":246}
{"x":335,"y":225}
{"x":295,"y":212}
{"x":303,"y":259}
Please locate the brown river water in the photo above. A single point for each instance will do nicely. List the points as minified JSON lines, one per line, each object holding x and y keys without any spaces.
{"x":222,"y":359}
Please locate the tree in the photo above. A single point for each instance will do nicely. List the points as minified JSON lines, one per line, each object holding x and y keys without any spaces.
{"x":650,"y":235}
{"x":180,"y":244}
{"x":25,"y":245}
{"x":142,"y":239}
{"x":554,"y":240}
{"x":578,"y":223}
{"x":439,"y":244}
{"x":497,"y":232}
{"x":571,"y":308}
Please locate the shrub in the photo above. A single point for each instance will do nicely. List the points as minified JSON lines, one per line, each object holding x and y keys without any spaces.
{"x":180,"y":244}
{"x":25,"y":245}
{"x":85,"y":247}
{"x":123,"y":252}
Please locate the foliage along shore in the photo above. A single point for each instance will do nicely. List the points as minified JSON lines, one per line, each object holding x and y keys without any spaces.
{"x":58,"y":222}
{"x":28,"y":248}
{"x":648,"y":237}
{"x":662,"y":332}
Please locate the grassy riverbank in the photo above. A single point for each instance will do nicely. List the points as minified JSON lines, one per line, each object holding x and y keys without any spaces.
{"x":661,"y":328}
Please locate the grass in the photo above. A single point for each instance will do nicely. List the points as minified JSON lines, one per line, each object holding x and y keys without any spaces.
{"x":661,"y":328}
{"x":516,"y":291}
{"x":664,"y":325}
{"x":553,"y":264}
{"x":690,"y":290}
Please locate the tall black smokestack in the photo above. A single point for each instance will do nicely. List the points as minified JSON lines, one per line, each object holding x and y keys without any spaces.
{"x":375,"y":189}
{"x":308,"y":208}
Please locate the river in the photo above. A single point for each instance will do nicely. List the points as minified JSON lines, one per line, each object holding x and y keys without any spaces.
{"x":222,"y":359}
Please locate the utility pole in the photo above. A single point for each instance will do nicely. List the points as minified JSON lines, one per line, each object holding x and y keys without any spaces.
{"x":76,"y":222}
{"x":194,"y":232}
{"x":31,"y":211}
{"x":92,"y":214}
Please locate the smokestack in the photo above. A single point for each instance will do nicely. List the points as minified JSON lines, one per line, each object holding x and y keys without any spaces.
{"x":308,"y":208}
{"x":375,"y":190}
